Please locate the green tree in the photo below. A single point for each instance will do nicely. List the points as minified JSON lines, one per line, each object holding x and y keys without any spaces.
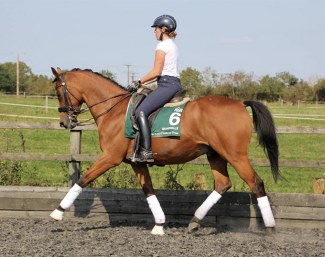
{"x":39,"y":84}
{"x":320,"y":90}
{"x":191,"y":80}
{"x":8,"y":69}
{"x":108,"y":74}
{"x":244,"y":85}
{"x":287,"y":79}
{"x":6,"y":83}
{"x":270,"y":89}
{"x":300,"y":91}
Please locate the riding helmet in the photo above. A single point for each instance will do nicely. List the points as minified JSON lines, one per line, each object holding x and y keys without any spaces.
{"x":165,"y":21}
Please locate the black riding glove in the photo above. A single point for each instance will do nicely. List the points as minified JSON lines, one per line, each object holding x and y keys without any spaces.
{"x":134,"y":86}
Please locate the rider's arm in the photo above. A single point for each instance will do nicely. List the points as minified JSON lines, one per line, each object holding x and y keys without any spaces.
{"x":153,"y":75}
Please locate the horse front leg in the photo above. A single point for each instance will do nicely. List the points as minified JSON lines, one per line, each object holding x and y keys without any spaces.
{"x":142,"y":174}
{"x":98,"y":168}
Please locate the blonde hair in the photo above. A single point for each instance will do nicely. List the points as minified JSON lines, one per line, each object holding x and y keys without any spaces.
{"x":172,"y":34}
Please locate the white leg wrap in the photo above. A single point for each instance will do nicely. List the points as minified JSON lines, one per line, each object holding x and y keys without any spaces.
{"x":71,"y":196}
{"x":156,"y":209}
{"x":267,"y":215}
{"x":57,"y":214}
{"x":158,"y":230}
{"x":211,"y":200}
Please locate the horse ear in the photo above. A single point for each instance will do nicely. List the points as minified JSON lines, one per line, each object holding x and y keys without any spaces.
{"x":56,"y":73}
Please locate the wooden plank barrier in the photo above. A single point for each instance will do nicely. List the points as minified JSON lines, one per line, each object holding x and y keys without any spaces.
{"x":75,"y":157}
{"x":233,"y":211}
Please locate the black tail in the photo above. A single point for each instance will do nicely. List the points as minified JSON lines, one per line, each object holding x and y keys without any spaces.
{"x":266,"y":134}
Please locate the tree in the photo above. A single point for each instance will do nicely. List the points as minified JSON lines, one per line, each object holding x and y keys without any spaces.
{"x":108,"y":74}
{"x":300,"y":91}
{"x":191,"y":80}
{"x":270,"y":89}
{"x":320,"y":90}
{"x":287,"y":79}
{"x":210,"y":77}
{"x":39,"y":84}
{"x":9,"y":72}
{"x":6,"y":83}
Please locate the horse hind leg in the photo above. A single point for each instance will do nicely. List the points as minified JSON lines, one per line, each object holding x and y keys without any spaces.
{"x":256,"y":184}
{"x":222,"y":184}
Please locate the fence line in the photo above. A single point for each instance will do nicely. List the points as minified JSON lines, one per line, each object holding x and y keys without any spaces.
{"x":29,"y":105}
{"x":26,"y":116}
{"x":75,"y":157}
{"x":56,"y":126}
{"x":235,"y":210}
{"x":280,"y":116}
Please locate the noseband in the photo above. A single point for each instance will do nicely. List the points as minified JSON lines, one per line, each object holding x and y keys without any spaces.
{"x":69,"y":107}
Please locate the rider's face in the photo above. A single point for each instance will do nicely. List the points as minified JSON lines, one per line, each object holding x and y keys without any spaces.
{"x":158,"y":32}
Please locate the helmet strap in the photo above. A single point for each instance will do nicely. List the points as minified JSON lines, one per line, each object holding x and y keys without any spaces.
{"x":162,"y":34}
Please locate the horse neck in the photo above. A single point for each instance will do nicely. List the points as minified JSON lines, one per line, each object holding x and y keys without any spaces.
{"x":94,"y":89}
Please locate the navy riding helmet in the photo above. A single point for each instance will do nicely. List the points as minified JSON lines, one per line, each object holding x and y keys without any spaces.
{"x":165,"y":21}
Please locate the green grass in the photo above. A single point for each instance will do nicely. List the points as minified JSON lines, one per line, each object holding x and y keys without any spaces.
{"x":51,"y":173}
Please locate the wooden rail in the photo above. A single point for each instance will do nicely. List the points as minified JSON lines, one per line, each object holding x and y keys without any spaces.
{"x":75,"y":157}
{"x":235,"y":210}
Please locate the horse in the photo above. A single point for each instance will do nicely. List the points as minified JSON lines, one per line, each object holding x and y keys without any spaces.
{"x":215,"y":126}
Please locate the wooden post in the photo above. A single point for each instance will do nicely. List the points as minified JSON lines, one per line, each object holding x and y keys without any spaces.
{"x":319,"y":186}
{"x":17,"y":76}
{"x":75,"y":148}
{"x":46,"y":103}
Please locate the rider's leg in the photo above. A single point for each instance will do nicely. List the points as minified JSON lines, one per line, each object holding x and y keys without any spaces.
{"x":165,"y":91}
{"x":145,"y":154}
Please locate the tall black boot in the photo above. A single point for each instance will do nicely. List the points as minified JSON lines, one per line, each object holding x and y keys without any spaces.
{"x":145,"y":154}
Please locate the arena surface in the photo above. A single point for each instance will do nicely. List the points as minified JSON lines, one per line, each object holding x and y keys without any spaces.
{"x":44,"y":237}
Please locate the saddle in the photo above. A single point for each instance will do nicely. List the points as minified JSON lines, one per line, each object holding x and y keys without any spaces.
{"x":142,"y":93}
{"x":177,"y":101}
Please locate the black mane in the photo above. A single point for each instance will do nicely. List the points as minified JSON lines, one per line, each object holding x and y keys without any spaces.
{"x":101,"y":75}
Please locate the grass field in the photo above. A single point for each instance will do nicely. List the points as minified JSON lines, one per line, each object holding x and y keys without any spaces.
{"x":46,"y":173}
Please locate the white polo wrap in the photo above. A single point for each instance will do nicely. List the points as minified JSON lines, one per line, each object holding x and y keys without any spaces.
{"x":71,"y":196}
{"x":211,"y":200}
{"x":266,"y":211}
{"x":156,"y":209}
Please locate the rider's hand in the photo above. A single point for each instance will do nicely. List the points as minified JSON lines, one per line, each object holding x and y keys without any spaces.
{"x":134,"y":86}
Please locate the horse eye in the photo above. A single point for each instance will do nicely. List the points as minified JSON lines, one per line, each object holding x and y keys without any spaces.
{"x":58,"y":96}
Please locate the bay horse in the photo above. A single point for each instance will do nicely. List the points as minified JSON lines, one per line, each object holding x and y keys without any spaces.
{"x":215,"y":126}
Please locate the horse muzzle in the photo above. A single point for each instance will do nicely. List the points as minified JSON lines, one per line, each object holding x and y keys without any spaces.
{"x":69,"y":122}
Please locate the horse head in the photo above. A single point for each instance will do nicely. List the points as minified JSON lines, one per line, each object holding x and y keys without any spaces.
{"x":69,"y":100}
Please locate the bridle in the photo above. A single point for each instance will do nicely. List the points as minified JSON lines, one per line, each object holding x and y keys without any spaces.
{"x":72,"y":112}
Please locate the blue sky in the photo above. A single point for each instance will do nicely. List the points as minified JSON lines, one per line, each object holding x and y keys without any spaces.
{"x":259,"y":36}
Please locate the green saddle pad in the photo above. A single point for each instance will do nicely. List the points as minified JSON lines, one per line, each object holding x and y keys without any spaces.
{"x":166,"y":123}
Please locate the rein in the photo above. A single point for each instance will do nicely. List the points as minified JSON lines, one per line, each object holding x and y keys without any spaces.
{"x":70,"y":108}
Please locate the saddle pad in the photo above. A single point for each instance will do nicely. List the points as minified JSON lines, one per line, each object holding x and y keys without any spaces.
{"x":166,"y":123}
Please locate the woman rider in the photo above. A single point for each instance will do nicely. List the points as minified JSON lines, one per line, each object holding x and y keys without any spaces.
{"x":165,"y":71}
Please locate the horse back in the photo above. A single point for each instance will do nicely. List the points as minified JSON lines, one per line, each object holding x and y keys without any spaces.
{"x":216,"y":120}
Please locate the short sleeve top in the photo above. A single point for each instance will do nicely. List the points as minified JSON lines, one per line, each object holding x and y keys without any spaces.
{"x":169,"y":47}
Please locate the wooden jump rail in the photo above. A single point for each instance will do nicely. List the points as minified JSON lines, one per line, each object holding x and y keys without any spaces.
{"x":75,"y":157}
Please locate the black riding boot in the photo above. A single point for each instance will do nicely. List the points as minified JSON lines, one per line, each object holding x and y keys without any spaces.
{"x":145,"y":154}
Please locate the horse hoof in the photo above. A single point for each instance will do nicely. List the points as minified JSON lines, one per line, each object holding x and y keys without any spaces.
{"x":193,"y":227}
{"x":57,"y":215}
{"x":270,"y":231}
{"x":158,"y":230}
